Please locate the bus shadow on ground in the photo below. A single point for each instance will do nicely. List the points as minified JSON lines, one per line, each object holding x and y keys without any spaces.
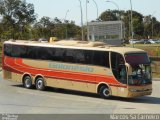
{"x":143,"y":99}
{"x":63,"y":91}
{"x":71,"y":92}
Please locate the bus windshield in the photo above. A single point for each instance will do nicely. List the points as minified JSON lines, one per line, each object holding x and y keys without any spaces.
{"x":141,"y":69}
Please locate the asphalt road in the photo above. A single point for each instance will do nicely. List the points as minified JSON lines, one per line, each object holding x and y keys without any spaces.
{"x":17,"y":100}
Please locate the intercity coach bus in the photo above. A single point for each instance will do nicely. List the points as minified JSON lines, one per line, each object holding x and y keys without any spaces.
{"x":78,"y":65}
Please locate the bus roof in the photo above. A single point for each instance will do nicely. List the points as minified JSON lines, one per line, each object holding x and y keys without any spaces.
{"x":72,"y":44}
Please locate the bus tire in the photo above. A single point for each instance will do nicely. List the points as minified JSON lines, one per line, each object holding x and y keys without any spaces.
{"x":40,"y":84}
{"x":105,"y":92}
{"x":27,"y":82}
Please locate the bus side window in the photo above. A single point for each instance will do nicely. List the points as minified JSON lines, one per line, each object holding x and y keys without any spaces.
{"x":18,"y":51}
{"x":101,"y":58}
{"x":80,"y":57}
{"x":23,"y":53}
{"x":7,"y":49}
{"x":59,"y":55}
{"x":32,"y":52}
{"x":70,"y":56}
{"x":118,"y":67}
{"x":116,"y":60}
{"x":88,"y":57}
{"x":44,"y":53}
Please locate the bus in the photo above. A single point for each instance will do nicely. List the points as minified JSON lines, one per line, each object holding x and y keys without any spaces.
{"x":93,"y":67}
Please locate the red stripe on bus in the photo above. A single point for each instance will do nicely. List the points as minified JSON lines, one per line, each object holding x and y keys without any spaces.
{"x":16,"y":65}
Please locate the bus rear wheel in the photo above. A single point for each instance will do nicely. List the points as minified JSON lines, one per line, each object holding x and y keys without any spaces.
{"x":104,"y":92}
{"x":27,"y":82}
{"x":40,"y":84}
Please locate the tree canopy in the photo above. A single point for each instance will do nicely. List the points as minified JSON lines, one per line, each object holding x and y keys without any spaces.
{"x":143,"y":26}
{"x":17,"y":15}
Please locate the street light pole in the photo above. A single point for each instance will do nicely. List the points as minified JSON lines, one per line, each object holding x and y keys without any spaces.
{"x":152,"y":27}
{"x":131,"y":19}
{"x":87,"y":1}
{"x":116,"y":6}
{"x":87,"y":19}
{"x":66,"y":24}
{"x":81,"y":19}
{"x":152,"y":22}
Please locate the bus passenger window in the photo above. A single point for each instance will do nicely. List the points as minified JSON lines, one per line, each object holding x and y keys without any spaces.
{"x":7,"y":49}
{"x":122,"y":74}
{"x":101,"y":58}
{"x":70,"y":56}
{"x":18,"y":51}
{"x":32,"y":52}
{"x":118,"y":67}
{"x":80,"y":57}
{"x":59,"y":54}
{"x":88,"y":56}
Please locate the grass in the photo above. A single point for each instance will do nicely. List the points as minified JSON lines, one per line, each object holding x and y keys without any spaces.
{"x":151,"y":49}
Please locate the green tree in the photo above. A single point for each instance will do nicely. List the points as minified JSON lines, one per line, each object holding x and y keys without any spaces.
{"x":147,"y":21}
{"x":43,"y":28}
{"x":125,"y":16}
{"x":151,"y":25}
{"x":109,"y":15}
{"x":17,"y":16}
{"x":156,"y":29}
{"x":138,"y":27}
{"x":46,"y":27}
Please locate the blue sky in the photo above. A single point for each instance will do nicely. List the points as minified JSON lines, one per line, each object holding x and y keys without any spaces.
{"x":58,"y":8}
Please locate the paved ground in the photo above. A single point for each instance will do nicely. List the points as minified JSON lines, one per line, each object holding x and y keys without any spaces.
{"x":16,"y":99}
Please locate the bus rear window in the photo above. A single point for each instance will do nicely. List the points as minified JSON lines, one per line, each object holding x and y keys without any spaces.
{"x":137,"y":58}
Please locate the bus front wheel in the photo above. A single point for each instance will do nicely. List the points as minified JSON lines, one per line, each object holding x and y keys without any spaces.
{"x":104,"y":92}
{"x":40,"y":84}
{"x":27,"y":82}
